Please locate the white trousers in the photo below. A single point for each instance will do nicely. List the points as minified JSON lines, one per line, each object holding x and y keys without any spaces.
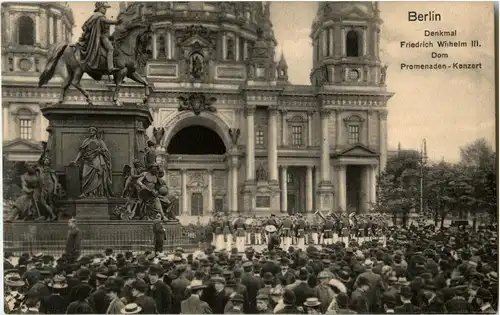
{"x":258,"y":238}
{"x":301,"y":242}
{"x":248,"y":238}
{"x":219,"y":242}
{"x":315,"y":238}
{"x":229,"y":242}
{"x":287,"y":242}
{"x":240,"y":244}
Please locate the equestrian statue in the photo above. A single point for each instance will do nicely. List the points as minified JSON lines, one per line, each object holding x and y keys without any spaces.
{"x":98,"y":54}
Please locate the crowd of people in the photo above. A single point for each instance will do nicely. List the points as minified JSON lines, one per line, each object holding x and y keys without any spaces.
{"x":418,"y":269}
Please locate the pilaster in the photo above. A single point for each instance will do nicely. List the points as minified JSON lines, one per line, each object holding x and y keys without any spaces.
{"x":284,"y":189}
{"x":284,"y":127}
{"x":383,"y":139}
{"x":272,"y":145}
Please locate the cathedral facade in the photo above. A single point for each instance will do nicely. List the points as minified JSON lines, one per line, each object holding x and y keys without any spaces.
{"x":237,"y":135}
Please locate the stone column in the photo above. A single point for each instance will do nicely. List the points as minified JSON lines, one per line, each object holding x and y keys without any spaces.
{"x":373,"y":183}
{"x":330,"y":34}
{"x":210,"y":192}
{"x":155,"y":52}
{"x":324,"y":48}
{"x":234,"y":183}
{"x":338,"y":129}
{"x":337,"y":45}
{"x":59,"y":30}
{"x":309,"y":189}
{"x":38,"y":28}
{"x":284,"y":128}
{"x":6,"y":21}
{"x":383,"y":139}
{"x":237,"y":48}
{"x":365,"y":42}
{"x":365,"y":189}
{"x":185,"y":210}
{"x":325,"y":146}
{"x":170,"y":47}
{"x":250,"y":147}
{"x":341,"y":187}
{"x":224,"y":47}
{"x":309,"y":127}
{"x":245,"y":50}
{"x":272,"y":145}
{"x":51,"y":30}
{"x":342,"y":42}
{"x":284,"y":191}
{"x":6,"y":119}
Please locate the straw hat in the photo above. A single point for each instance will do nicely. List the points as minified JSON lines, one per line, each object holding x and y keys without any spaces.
{"x":131,"y":309}
{"x":196,"y":285}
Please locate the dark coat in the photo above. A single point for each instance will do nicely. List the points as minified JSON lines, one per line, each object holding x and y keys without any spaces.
{"x":193,"y":305}
{"x":359,"y":302}
{"x":407,"y":308}
{"x":83,"y":289}
{"x":286,"y":279}
{"x":436,"y":306}
{"x":288,"y":310}
{"x":162,"y":294}
{"x":79,"y":307}
{"x":98,"y":301}
{"x":242,"y":289}
{"x":302,"y":292}
{"x":54,"y":304}
{"x":219,"y":303}
{"x":147,"y":304}
{"x":179,"y":286}
{"x":253,"y":285}
{"x":73,"y":243}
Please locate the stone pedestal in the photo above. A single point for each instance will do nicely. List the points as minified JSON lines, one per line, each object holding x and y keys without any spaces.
{"x":123,"y":132}
{"x":325,"y":193}
{"x":92,"y":209}
{"x":249,"y":196}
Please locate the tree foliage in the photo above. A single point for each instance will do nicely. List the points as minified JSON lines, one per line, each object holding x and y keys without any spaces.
{"x":468,"y":186}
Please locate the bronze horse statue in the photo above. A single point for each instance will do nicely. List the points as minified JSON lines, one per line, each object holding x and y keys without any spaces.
{"x":132,"y":44}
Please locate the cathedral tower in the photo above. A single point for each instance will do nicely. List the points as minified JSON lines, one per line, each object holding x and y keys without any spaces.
{"x":345,"y":37}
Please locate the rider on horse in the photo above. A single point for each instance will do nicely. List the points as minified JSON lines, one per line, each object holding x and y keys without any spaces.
{"x":96,"y":32}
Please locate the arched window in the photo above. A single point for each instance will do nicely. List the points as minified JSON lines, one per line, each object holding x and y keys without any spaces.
{"x":26,"y":28}
{"x":352,"y":44}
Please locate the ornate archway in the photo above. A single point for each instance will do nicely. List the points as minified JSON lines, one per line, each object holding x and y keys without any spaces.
{"x":188,"y":119}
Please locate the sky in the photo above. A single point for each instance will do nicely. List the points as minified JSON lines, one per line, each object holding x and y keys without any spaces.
{"x":448,"y":109}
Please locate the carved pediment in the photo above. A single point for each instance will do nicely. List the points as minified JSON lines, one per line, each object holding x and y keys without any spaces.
{"x":359,"y":150}
{"x":21,"y":145}
{"x":197,"y":42}
{"x":356,"y":12}
{"x":196,"y":35}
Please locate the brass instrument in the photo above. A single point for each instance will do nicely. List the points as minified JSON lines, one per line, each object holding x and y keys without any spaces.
{"x":321,"y":215}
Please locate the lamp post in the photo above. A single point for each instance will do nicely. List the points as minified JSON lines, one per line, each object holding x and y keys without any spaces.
{"x":423,"y":161}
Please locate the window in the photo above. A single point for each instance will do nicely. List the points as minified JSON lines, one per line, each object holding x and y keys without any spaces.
{"x":289,"y":178}
{"x":297,"y":135}
{"x":26,"y":128}
{"x":352,"y":44}
{"x":242,"y":52}
{"x":230,"y":49}
{"x":259,"y":137}
{"x":26,"y":34}
{"x":161,"y":47}
{"x":353,"y":134}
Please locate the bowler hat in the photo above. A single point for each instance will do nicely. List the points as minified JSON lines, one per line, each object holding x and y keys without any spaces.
{"x":289,"y":297}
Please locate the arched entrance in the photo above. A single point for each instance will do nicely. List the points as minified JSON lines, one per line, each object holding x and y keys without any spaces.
{"x":197,"y":164}
{"x":198,"y":140}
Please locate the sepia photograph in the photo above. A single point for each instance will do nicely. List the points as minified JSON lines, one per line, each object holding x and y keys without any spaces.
{"x":237,"y":157}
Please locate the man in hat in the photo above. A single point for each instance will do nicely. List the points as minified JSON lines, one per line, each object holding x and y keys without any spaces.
{"x":159,"y":291}
{"x":289,"y":304}
{"x":193,"y":304}
{"x":237,"y":302}
{"x":377,"y":285}
{"x":113,"y":291}
{"x":95,"y":34}
{"x":179,"y":287}
{"x":407,"y":307}
{"x":300,"y":226}
{"x":302,"y":290}
{"x":359,"y":297}
{"x":240,"y":230}
{"x":56,"y":303}
{"x":263,"y":304}
{"x":98,"y":300}
{"x":323,"y":291}
{"x":147,"y":303}
{"x":82,"y":286}
{"x":286,"y":232}
{"x":73,"y":241}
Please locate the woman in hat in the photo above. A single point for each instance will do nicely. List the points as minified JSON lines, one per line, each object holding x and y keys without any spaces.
{"x":56,"y":303}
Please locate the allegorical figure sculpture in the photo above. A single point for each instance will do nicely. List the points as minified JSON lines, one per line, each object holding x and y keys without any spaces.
{"x":383,"y":74}
{"x":32,"y":204}
{"x":51,"y":189}
{"x":150,"y":156}
{"x":96,"y":173}
{"x":196,"y":66}
{"x":96,"y":55}
{"x":131,"y":174}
